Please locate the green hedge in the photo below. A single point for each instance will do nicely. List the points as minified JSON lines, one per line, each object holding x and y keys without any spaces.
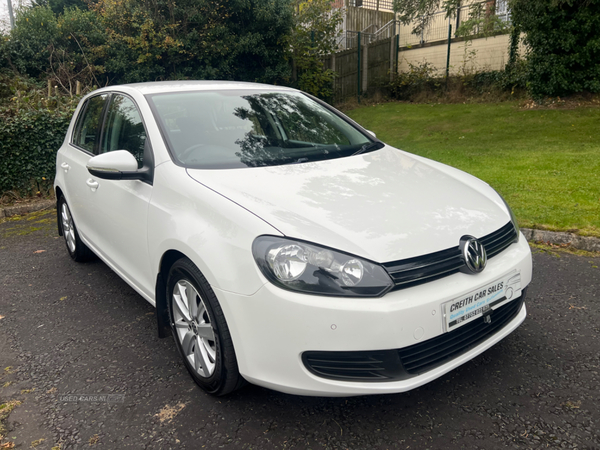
{"x":29,"y":141}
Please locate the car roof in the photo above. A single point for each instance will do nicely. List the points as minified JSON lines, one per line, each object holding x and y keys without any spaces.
{"x":157,"y":87}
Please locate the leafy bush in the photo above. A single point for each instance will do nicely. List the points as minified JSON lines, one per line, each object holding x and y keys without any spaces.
{"x":563,"y":41}
{"x":313,"y":36}
{"x":511,"y":79}
{"x":32,"y":129}
{"x":29,"y":141}
{"x":419,"y":78}
{"x":422,"y":81}
{"x":515,"y":75}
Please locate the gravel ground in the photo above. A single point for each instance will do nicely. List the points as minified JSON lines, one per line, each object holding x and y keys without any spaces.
{"x":68,"y":328}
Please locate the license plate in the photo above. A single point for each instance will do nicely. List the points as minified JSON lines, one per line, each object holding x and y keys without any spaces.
{"x":464,"y":309}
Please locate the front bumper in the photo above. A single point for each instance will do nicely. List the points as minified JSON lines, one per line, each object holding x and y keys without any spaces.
{"x":274,"y":328}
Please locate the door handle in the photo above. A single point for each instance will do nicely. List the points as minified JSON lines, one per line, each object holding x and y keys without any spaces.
{"x":65,"y":166}
{"x":93,"y":184}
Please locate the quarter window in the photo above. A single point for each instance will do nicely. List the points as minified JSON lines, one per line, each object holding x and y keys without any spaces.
{"x":88,"y":124}
{"x":124,"y":129}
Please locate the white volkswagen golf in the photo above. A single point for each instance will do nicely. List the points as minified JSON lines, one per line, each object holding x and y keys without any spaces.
{"x":283,"y":244}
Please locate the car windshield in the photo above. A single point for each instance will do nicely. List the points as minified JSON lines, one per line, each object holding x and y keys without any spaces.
{"x":232,"y":129}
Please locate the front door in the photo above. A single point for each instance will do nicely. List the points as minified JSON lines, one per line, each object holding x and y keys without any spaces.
{"x":120,"y":207}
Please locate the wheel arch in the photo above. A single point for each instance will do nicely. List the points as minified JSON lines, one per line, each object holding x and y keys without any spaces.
{"x":58,"y":194}
{"x":162,"y":314}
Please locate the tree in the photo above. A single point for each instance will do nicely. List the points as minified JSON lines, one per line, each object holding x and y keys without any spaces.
{"x":66,"y":48}
{"x":26,"y":48}
{"x":58,"y":6}
{"x":167,"y":39}
{"x":145,"y":40}
{"x":315,"y":32}
{"x":420,"y":12}
{"x":563,"y":43}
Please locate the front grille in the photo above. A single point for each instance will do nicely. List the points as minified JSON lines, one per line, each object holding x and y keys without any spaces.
{"x":407,"y":362}
{"x":497,"y":241}
{"x":434,"y":352}
{"x":422,"y":269}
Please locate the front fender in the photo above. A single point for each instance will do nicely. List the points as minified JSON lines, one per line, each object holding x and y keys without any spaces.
{"x":215,"y":233}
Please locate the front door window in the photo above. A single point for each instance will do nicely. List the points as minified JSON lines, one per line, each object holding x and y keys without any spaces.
{"x":124,"y":129}
{"x":88,"y":124}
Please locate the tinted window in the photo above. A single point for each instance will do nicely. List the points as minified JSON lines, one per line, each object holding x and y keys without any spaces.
{"x":124,"y":129}
{"x":89,"y":123}
{"x":227,"y":129}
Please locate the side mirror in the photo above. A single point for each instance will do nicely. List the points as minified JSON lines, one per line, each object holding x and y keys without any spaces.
{"x":117,"y":165}
{"x":373,"y":134}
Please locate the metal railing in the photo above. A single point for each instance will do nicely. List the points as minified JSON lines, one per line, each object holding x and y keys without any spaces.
{"x":369,"y":29}
{"x":387,"y":31}
{"x":379,"y":5}
{"x":437,"y":28}
{"x":349,"y":39}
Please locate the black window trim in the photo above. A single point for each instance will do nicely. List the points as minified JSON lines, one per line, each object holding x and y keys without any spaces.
{"x":344,"y":117}
{"x":103,"y":123}
{"x":148,"y":166}
{"x":79,"y":118}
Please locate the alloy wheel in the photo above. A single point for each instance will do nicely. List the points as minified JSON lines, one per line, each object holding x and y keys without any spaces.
{"x":194,"y":328}
{"x":68,"y":227}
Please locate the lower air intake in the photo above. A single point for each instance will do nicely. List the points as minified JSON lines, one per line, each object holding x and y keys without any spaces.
{"x":407,"y":362}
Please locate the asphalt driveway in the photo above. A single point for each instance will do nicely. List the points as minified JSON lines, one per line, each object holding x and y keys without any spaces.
{"x":69,"y":328}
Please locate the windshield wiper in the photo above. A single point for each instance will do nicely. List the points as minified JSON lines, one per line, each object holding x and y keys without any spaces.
{"x":368,"y":147}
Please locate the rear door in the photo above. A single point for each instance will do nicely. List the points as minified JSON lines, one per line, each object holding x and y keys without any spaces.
{"x":73,"y":159}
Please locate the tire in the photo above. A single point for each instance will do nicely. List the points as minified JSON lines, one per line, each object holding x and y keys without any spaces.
{"x":76,"y":248}
{"x":200,"y":330}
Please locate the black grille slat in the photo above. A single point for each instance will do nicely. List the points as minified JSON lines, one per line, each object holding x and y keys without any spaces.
{"x":497,"y":241}
{"x":508,"y":228}
{"x":420,"y":262}
{"x":378,"y":365}
{"x":422,"y":362}
{"x":340,"y":370}
{"x":498,"y":237}
{"x":325,"y":361}
{"x":358,"y":377}
{"x":407,"y":362}
{"x":425,"y":279}
{"x":422,"y":269}
{"x":419,"y":357}
{"x":411,"y":355}
{"x":444,"y":266}
{"x":495,"y":249}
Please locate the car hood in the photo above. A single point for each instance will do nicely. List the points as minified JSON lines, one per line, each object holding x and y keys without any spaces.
{"x":385,"y":205}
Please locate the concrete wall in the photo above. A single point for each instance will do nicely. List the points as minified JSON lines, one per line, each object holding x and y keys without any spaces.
{"x":481,"y":55}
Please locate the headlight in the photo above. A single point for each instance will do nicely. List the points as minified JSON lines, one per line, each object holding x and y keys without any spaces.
{"x":512,"y":218}
{"x":312,"y":269}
